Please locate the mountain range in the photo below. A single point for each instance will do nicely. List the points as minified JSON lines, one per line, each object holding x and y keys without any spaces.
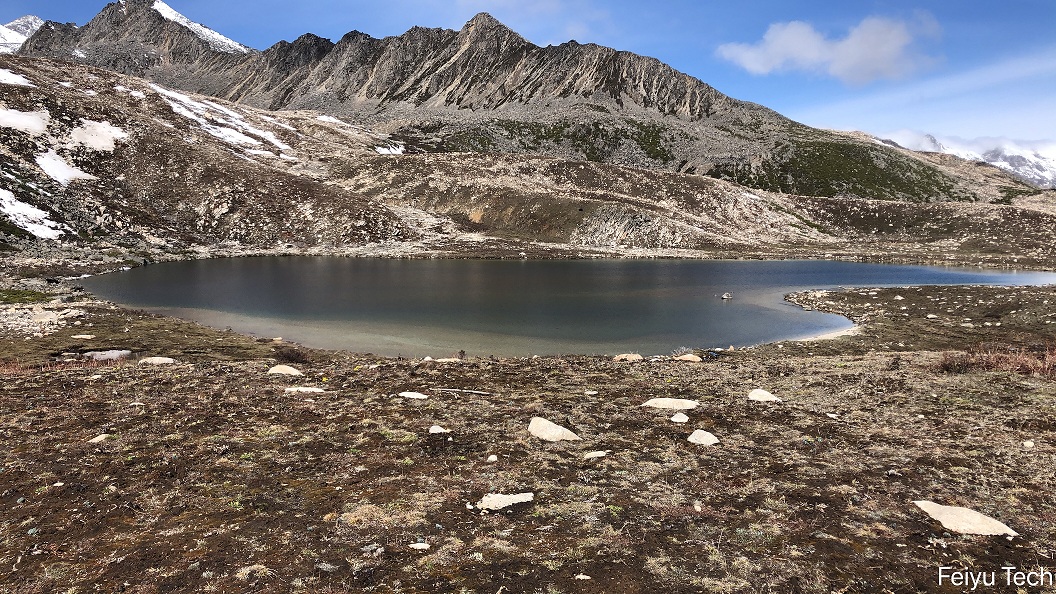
{"x":15,"y":33}
{"x":145,"y":126}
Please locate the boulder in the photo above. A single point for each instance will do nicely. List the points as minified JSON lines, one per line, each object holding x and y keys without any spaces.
{"x":689,"y":357}
{"x":628,"y":357}
{"x":548,"y":431}
{"x":495,"y":501}
{"x":760,"y":395}
{"x":963,"y":520}
{"x":157,"y":361}
{"x":702,"y":437}
{"x":284,"y":370}
{"x":671,"y":403}
{"x":679,"y":418}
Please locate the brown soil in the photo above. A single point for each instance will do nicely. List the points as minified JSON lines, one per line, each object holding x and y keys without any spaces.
{"x":216,"y":479}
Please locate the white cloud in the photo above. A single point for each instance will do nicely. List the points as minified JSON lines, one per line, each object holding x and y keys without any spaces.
{"x":877,"y":48}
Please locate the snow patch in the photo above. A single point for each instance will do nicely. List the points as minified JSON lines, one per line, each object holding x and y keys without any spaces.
{"x":59,"y":170}
{"x":98,"y":136}
{"x":332,"y":120}
{"x":215,"y":40}
{"x":10,"y":78}
{"x":218,"y":121}
{"x":33,"y":123}
{"x":28,"y":217}
{"x":392,"y":149}
{"x":10,"y":40}
{"x":79,"y":53}
{"x":132,"y":92}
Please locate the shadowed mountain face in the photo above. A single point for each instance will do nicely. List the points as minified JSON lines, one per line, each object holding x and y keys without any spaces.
{"x":486,"y":89}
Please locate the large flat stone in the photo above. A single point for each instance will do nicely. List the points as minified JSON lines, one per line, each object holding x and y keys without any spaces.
{"x":963,"y":520}
{"x":544,"y":429}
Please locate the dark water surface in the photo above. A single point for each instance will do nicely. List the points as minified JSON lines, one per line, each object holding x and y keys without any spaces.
{"x":512,"y":308}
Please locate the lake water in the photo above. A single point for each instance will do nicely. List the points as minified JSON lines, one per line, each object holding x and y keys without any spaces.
{"x":512,"y":308}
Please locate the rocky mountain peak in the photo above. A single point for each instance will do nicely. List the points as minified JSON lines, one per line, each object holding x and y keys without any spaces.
{"x":26,"y":25}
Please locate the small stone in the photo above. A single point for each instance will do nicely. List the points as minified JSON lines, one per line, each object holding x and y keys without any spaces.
{"x":702,"y":437}
{"x":419,"y":546}
{"x":932,"y":316}
{"x":438,"y":429}
{"x":99,"y":438}
{"x":493,"y":458}
{"x":303,"y":390}
{"x":548,"y":431}
{"x":899,"y":298}
{"x":1028,"y":444}
{"x":689,"y":357}
{"x":413,"y":395}
{"x":157,"y":361}
{"x":591,"y":392}
{"x":495,"y":501}
{"x":628,"y":357}
{"x":698,"y":506}
{"x":680,"y":418}
{"x":671,"y":403}
{"x":760,"y":395}
{"x":583,"y":577}
{"x":33,"y":531}
{"x":595,"y":455}
{"x":284,"y":370}
{"x":832,"y":415}
{"x":83,"y":336}
{"x":963,"y":520}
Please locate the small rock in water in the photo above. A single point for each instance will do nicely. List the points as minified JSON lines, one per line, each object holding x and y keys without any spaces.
{"x":413,"y":395}
{"x":284,"y":370}
{"x":99,"y":438}
{"x":157,"y":361}
{"x":438,"y":429}
{"x":494,"y":501}
{"x":760,"y":395}
{"x":628,"y":357}
{"x":963,"y":520}
{"x":548,"y":431}
{"x":595,"y":455}
{"x":680,"y":418}
{"x":689,"y":357}
{"x":671,"y":403}
{"x":702,"y":437}
{"x":303,"y":390}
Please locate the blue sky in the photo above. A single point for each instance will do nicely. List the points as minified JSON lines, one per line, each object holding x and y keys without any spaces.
{"x":963,"y":69}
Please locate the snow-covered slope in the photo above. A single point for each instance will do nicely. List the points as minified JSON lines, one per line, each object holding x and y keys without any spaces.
{"x":1033,"y":161}
{"x":214,"y":39}
{"x":15,"y":33}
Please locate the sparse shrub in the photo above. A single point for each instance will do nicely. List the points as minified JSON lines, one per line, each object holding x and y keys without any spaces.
{"x":288,"y":354}
{"x":1022,"y":361}
{"x":11,"y":296}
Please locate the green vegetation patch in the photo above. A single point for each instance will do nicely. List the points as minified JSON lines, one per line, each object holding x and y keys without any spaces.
{"x":12,"y":296}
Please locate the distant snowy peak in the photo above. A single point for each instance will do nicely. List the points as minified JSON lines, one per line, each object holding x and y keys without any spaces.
{"x":214,"y":39}
{"x":1034,"y":162}
{"x":26,"y":25}
{"x":15,"y":33}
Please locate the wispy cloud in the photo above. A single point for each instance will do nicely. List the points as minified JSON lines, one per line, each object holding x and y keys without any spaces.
{"x":999,"y":99}
{"x":877,"y":48}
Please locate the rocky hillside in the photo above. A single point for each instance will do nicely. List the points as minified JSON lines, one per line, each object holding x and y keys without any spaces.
{"x":93,"y":157}
{"x":484,"y":88}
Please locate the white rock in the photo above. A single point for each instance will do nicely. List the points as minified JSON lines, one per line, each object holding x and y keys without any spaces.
{"x":689,"y":357}
{"x":99,"y":438}
{"x":493,"y":501}
{"x":284,"y":370}
{"x":83,"y":336}
{"x":583,"y":577}
{"x":702,"y":437}
{"x":493,"y":458}
{"x":680,"y":418}
{"x":671,"y":403}
{"x":759,"y":395}
{"x":628,"y":357}
{"x":963,"y":520}
{"x":157,"y":361}
{"x":107,"y":355}
{"x":899,"y":298}
{"x":419,"y":546}
{"x":832,"y":415}
{"x":303,"y":390}
{"x":438,"y":429}
{"x":413,"y":395}
{"x":595,"y":455}
{"x":548,"y":431}
{"x":932,"y":316}
{"x":591,"y":392}
{"x":1028,"y":444}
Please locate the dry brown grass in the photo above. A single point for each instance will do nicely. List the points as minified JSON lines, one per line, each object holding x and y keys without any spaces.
{"x":1034,"y":363}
